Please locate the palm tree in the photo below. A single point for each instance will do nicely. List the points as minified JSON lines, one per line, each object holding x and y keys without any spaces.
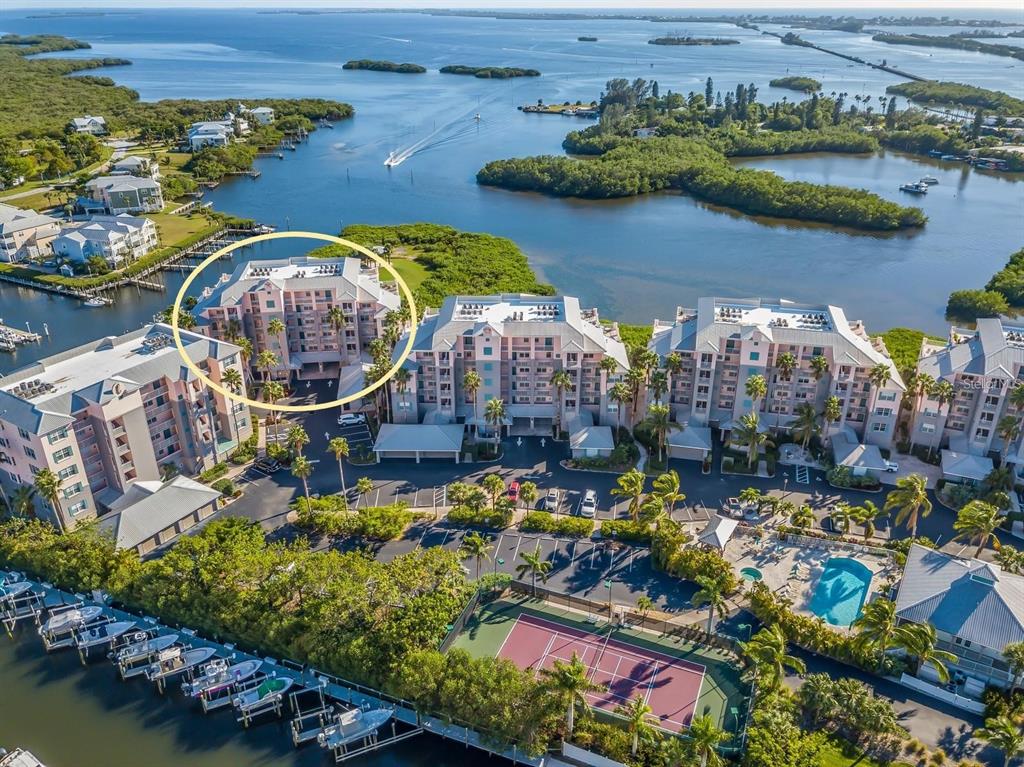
{"x":978,"y":521}
{"x":659,"y":420}
{"x":878,"y":376}
{"x":644,"y":604}
{"x":786,"y":363}
{"x":266,"y":360}
{"x":832,"y":413}
{"x":570,"y":682}
{"x":666,"y":487}
{"x":749,"y":433}
{"x":471,"y":383}
{"x":766,"y":651}
{"x":401,"y":379}
{"x":47,"y":485}
{"x":919,"y":640}
{"x":876,"y":627}
{"x":1003,"y":733}
{"x":865,"y":515}
{"x":336,"y":319}
{"x":841,"y":516}
{"x":819,"y":367}
{"x":910,"y":499}
{"x":339,"y":447}
{"x":275,"y":328}
{"x":232,"y":379}
{"x":562,"y":382}
{"x":477,"y":547}
{"x":303,"y":468}
{"x":635,"y":378}
{"x":943,"y":392}
{"x":1013,"y":654}
{"x":494,"y":414}
{"x":23,"y":501}
{"x":245,"y":353}
{"x":705,"y":737}
{"x":636,"y":713}
{"x":297,"y":438}
{"x":673,"y":365}
{"x":528,"y":494}
{"x":658,"y":384}
{"x":631,"y":485}
{"x":1009,"y":429}
{"x":364,"y":486}
{"x":1016,"y":399}
{"x":620,"y":394}
{"x":802,"y":517}
{"x":712,"y":595}
{"x":805,"y":424}
{"x":272,"y":392}
{"x":756,"y":388}
{"x":535,"y":566}
{"x":608,"y":365}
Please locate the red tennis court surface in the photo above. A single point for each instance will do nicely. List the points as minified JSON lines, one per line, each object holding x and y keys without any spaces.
{"x":670,"y":686}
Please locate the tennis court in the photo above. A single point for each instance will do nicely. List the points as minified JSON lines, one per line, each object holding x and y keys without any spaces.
{"x":670,"y":686}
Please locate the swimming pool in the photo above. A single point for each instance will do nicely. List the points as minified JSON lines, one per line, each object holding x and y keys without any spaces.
{"x":841,"y":591}
{"x":751,"y":574}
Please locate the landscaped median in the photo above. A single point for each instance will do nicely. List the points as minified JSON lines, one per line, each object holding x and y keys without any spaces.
{"x":329,"y":516}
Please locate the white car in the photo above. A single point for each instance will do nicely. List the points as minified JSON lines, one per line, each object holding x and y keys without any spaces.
{"x":588,"y":506}
{"x":351,"y":419}
{"x":892,"y":467}
{"x":551,"y":500}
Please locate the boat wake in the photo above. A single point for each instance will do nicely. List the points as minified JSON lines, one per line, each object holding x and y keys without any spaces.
{"x":459,"y":129}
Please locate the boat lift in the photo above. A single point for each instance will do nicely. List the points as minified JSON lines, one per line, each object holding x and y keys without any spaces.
{"x":58,"y":631}
{"x":312,"y":712}
{"x":219,"y":682}
{"x":19,"y":603}
{"x":356,"y":731}
{"x":99,"y":635}
{"x":175,"y":661}
{"x":261,"y":695}
{"x":139,"y":650}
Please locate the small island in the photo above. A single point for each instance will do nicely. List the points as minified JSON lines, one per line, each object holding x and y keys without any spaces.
{"x":498,"y":73}
{"x":693,"y":41}
{"x":587,"y":39}
{"x":384,"y":66}
{"x":803,"y":84}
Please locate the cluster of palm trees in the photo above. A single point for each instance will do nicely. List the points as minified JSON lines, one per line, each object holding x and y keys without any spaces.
{"x":657,"y":505}
{"x":878,"y":631}
{"x":494,"y":410}
{"x":46,"y":486}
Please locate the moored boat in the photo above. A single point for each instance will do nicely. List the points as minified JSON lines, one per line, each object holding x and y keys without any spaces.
{"x":914,"y":187}
{"x":143,"y":647}
{"x":9,"y":591}
{"x":929,"y":180}
{"x":76,"y":617}
{"x":102,"y":634}
{"x":177,"y":660}
{"x":353,"y":725}
{"x":269,"y":691}
{"x":217,"y":675}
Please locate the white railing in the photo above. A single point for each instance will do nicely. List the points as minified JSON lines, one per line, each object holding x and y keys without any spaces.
{"x":940,"y":693}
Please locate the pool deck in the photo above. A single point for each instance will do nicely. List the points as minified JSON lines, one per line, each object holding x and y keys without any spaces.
{"x":793,"y":570}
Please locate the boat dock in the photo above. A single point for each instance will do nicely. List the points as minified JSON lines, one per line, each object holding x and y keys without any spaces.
{"x":344,"y":718}
{"x":11,"y":337}
{"x":19,"y":757}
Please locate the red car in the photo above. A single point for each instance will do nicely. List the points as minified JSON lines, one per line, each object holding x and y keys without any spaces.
{"x":513,"y":492}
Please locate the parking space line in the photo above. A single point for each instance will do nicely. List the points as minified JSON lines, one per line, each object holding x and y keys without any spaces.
{"x":593,"y":552}
{"x":419,"y":543}
{"x":519,"y":541}
{"x":572,"y":557}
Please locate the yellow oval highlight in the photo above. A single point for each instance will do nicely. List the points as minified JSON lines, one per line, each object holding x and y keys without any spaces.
{"x":176,"y":313}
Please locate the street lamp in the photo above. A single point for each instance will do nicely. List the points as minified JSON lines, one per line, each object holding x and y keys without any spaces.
{"x":608,"y":585}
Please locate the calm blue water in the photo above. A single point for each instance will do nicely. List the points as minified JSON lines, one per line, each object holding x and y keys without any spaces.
{"x":841,"y":591}
{"x":635,"y":259}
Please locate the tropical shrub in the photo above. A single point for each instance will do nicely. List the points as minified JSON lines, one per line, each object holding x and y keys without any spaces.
{"x":626,"y":530}
{"x":546,"y":522}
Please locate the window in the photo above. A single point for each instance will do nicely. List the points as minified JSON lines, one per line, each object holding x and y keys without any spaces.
{"x":24,"y":434}
{"x":488,"y":367}
{"x":487,"y":351}
{"x":78,"y":508}
{"x":927,"y":428}
{"x":72,"y":490}
{"x":887,"y":396}
{"x":755,"y":356}
{"x":488,"y":382}
{"x":63,"y":454}
{"x":885,"y":412}
{"x":271,"y":305}
{"x":57,"y":436}
{"x":880,"y":427}
{"x":29,"y":452}
{"x":67,"y":472}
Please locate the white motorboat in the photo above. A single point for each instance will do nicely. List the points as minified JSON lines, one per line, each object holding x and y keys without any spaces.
{"x":102,"y":634}
{"x":95,"y":302}
{"x":142,"y":646}
{"x":217,"y":675}
{"x":267,"y":692}
{"x":392,"y":161}
{"x":76,"y":617}
{"x":929,"y":180}
{"x":177,"y":660}
{"x":914,"y":187}
{"x":353,"y":725}
{"x":13,"y":590}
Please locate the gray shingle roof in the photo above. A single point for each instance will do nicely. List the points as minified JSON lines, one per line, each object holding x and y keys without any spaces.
{"x":968,"y":598}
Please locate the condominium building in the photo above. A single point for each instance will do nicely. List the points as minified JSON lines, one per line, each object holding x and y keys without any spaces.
{"x":113,"y":412}
{"x":114,"y":238}
{"x":25,"y":233}
{"x":300,"y":292}
{"x":726,"y":341}
{"x":123,"y":194}
{"x":982,"y":366}
{"x":515,"y":343}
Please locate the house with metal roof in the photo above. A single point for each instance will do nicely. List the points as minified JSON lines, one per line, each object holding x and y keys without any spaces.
{"x":722,"y":343}
{"x":126,"y":194}
{"x":515,"y":343}
{"x":25,"y":233}
{"x":92,"y":124}
{"x":977,"y":609}
{"x":116,"y":239}
{"x":153,"y":513}
{"x":982,"y":366}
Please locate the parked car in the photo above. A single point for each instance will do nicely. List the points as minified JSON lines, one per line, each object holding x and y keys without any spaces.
{"x":588,"y":506}
{"x":269,"y":465}
{"x":551,"y":500}
{"x":351,"y":419}
{"x":513,"y":491}
{"x":892,"y":467}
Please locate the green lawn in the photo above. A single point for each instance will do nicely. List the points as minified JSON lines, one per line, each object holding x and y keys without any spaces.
{"x":173,"y":229}
{"x":411,"y":271}
{"x":840,"y":753}
{"x":721,"y":691}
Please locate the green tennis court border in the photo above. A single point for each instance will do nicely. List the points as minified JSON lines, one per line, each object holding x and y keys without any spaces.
{"x":723,"y":694}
